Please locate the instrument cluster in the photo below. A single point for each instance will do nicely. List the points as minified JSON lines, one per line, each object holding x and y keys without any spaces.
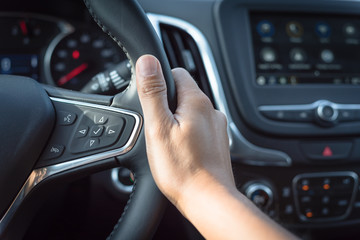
{"x":59,"y":53}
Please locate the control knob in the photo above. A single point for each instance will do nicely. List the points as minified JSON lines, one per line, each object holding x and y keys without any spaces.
{"x":326,"y":112}
{"x":260,"y":194}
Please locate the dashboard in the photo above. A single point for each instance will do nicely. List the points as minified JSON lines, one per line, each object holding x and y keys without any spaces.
{"x":285,"y":73}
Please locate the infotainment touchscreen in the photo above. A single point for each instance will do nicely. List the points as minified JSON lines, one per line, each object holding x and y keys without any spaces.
{"x":292,"y":49}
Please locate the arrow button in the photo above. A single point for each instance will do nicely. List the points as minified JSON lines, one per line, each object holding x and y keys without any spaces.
{"x":82,"y":131}
{"x":100,"y":119}
{"x":92,"y":143}
{"x":112,"y":134}
{"x":113,"y":131}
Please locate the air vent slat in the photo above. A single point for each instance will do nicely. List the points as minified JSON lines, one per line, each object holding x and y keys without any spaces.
{"x":169,"y":50}
{"x":182,"y":51}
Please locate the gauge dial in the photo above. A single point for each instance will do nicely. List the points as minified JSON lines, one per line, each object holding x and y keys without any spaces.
{"x":80,"y":56}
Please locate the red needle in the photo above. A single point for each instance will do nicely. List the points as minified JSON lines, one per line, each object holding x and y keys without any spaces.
{"x":23,"y":27}
{"x":76,"y":71}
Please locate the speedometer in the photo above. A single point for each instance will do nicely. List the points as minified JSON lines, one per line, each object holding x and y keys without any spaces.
{"x":80,"y":55}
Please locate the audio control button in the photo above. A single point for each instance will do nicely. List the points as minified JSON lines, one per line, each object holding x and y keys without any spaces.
{"x":289,"y":115}
{"x":348,"y":115}
{"x":327,"y":113}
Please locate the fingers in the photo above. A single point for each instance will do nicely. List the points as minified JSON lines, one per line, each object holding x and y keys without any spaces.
{"x":188,"y":92}
{"x":152,"y":90}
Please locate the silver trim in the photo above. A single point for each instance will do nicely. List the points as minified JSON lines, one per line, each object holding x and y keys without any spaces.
{"x":118,"y":184}
{"x":311,"y":106}
{"x":40,"y":174}
{"x":65,"y":30}
{"x":317,"y":106}
{"x":326,"y":174}
{"x":240,"y":147}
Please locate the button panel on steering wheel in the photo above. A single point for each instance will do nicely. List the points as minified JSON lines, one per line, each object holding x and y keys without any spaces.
{"x":84,"y":129}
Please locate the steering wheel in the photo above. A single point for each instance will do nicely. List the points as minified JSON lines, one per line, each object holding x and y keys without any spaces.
{"x":50,"y":135}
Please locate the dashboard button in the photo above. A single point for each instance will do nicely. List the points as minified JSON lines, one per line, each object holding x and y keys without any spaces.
{"x":326,"y":150}
{"x":294,"y":29}
{"x":327,"y":56}
{"x":303,"y":115}
{"x":297,"y":55}
{"x":323,"y":30}
{"x":350,"y":30}
{"x":279,"y":115}
{"x":261,"y":80}
{"x":327,"y":113}
{"x":289,"y":115}
{"x":265,"y":28}
{"x":347,"y":115}
{"x":268,"y":55}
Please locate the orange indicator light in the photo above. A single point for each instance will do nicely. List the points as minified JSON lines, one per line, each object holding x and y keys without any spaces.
{"x":305,"y":187}
{"x":326,"y":186}
{"x":309,"y":214}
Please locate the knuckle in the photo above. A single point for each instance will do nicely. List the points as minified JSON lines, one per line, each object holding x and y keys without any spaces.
{"x":204,"y":102}
{"x":153,"y":86}
{"x":221,"y":117}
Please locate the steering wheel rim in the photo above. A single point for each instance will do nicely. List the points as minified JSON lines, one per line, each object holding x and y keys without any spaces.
{"x":126,"y":23}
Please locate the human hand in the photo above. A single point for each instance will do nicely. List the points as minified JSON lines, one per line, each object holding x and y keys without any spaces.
{"x":189,"y":157}
{"x":188,"y":150}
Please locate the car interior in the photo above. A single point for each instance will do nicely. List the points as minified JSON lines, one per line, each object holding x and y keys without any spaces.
{"x":285,"y":73}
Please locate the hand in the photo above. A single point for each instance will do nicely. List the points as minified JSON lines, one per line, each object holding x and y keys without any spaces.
{"x":187,"y":149}
{"x":189,"y":157}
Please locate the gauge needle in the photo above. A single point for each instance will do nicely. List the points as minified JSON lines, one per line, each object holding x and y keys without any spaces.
{"x":23,"y":27}
{"x":76,"y":71}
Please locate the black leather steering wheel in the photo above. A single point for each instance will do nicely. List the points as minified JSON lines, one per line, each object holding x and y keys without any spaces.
{"x":40,"y":144}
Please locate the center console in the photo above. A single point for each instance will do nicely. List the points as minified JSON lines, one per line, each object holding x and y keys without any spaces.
{"x":294,"y":83}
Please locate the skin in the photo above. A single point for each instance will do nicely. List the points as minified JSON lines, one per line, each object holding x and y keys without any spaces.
{"x":189,"y":157}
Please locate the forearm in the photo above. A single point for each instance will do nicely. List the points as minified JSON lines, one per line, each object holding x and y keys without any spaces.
{"x":221,"y":212}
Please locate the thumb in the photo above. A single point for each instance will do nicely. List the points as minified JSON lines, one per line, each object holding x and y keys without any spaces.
{"x":151,"y":88}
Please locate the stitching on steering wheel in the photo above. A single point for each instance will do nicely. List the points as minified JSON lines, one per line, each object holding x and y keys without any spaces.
{"x":105,"y":30}
{"x":96,"y":19}
{"x":124,"y":212}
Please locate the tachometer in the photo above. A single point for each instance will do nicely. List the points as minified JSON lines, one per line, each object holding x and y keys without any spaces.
{"x":81,"y":55}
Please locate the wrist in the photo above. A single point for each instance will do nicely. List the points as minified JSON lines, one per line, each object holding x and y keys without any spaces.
{"x":203,"y":187}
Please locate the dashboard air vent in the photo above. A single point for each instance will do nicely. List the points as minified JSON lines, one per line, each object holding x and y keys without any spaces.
{"x":182,"y":51}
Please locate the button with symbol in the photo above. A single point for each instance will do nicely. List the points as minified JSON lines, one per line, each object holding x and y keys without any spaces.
{"x":323,"y":30}
{"x":53,"y":151}
{"x":100,"y":119}
{"x":297,"y":55}
{"x":65,"y":118}
{"x":113,"y":131}
{"x":112,"y":134}
{"x":81,"y":131}
{"x":96,"y":131}
{"x":265,"y":29}
{"x":326,"y":150}
{"x":294,"y":29}
{"x":92,"y":143}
